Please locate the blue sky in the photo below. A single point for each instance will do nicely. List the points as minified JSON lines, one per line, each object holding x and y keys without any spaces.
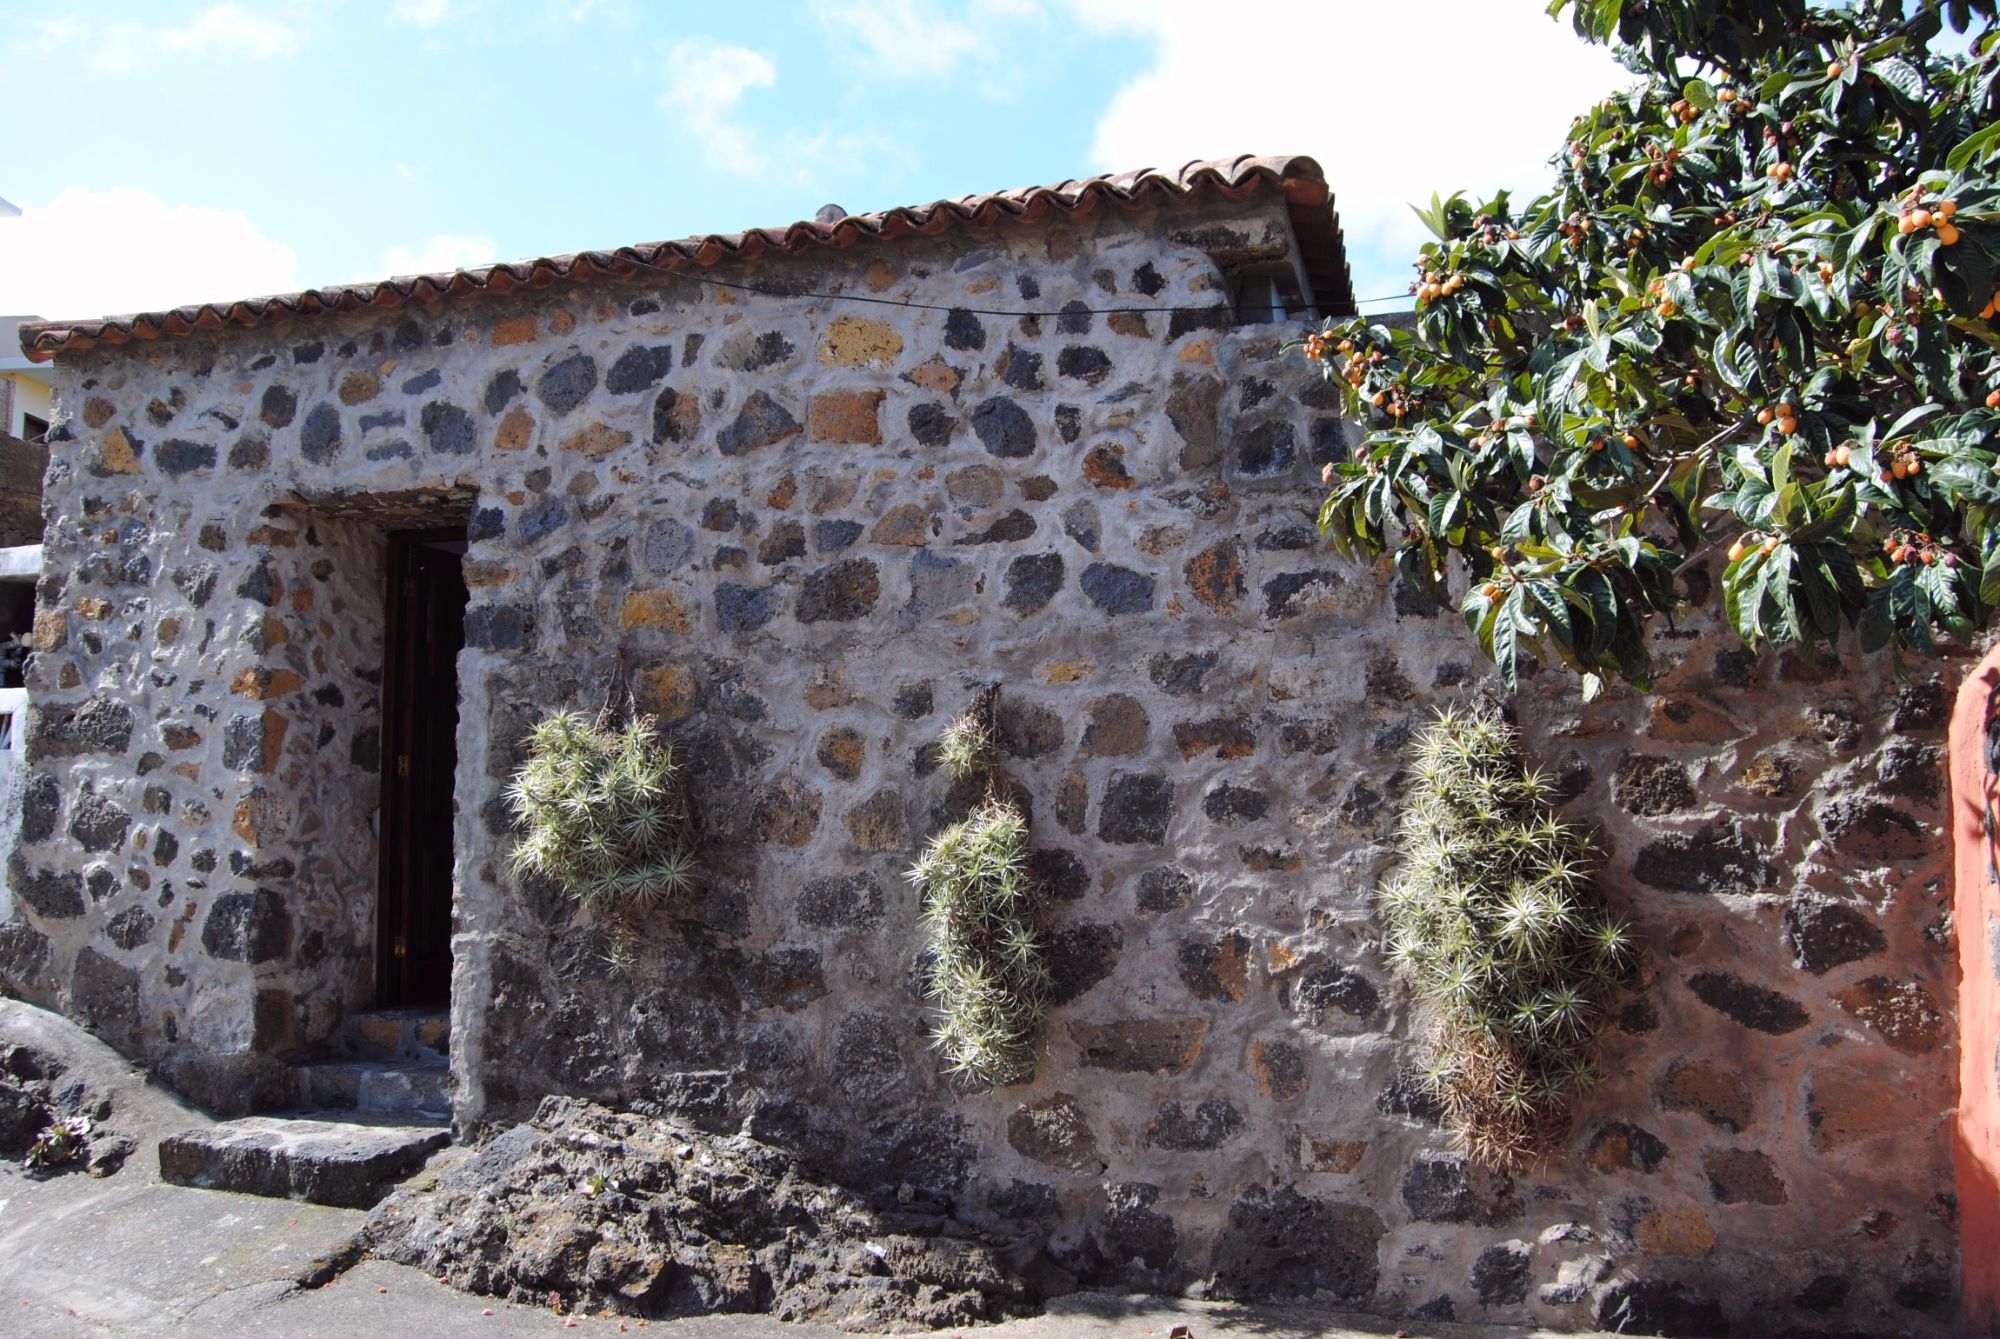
{"x":188,"y":151}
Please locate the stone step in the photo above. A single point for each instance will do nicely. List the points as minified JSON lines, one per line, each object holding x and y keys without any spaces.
{"x":395,"y":1034}
{"x":415,"y":1089}
{"x":344,"y":1164}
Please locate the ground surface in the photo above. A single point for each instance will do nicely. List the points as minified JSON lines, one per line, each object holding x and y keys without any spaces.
{"x":128,"y":1255}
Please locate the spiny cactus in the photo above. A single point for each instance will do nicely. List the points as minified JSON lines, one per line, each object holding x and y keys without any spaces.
{"x":605,"y":813}
{"x":1493,"y":915}
{"x":984,"y":964}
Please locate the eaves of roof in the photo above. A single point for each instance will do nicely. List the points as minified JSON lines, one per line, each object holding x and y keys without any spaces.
{"x":1309,"y":203}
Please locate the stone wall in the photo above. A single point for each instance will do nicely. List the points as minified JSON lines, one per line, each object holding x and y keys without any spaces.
{"x":810,"y":532}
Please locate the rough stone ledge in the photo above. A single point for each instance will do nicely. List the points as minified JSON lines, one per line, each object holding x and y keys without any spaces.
{"x":337,"y":1163}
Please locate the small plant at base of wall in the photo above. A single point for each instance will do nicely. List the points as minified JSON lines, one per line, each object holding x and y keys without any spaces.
{"x":60,"y":1143}
{"x":984,"y":965}
{"x":606,"y":819}
{"x":1493,"y":915}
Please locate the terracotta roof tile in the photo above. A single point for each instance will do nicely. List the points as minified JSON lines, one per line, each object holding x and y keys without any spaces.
{"x":1309,"y":202}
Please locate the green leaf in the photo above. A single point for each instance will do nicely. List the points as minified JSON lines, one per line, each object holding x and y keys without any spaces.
{"x":1974,"y":147}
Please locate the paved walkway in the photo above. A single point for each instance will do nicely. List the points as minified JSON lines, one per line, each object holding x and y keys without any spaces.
{"x":129,"y":1255}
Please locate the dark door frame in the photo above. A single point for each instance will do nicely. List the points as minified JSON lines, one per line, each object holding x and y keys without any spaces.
{"x":401,"y":931}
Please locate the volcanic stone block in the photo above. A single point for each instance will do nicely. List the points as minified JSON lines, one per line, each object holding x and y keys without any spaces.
{"x":321,"y":1162}
{"x":1281,"y":1246}
{"x":1137,"y":808}
{"x":1140,"y":1045}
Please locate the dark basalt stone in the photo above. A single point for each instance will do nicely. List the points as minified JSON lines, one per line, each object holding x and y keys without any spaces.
{"x":931,"y":424}
{"x":278,"y":407}
{"x":448,"y":430}
{"x":1004,"y":428}
{"x":744,"y":608}
{"x":1009,"y":528}
{"x":1750,"y":1005}
{"x":568,"y":383}
{"x":97,"y":825}
{"x":963,"y":331}
{"x":1118,"y":590}
{"x":105,"y":995}
{"x":248,"y":927}
{"x":1267,"y":450}
{"x":1181,"y":675}
{"x":1231,"y":804}
{"x":1501,"y":1275}
{"x":41,"y":808}
{"x":1823,"y":935}
{"x":1083,"y":362}
{"x":1137,"y":808}
{"x":842,"y":901}
{"x":639,"y":368}
{"x":319,"y":435}
{"x":1081,"y":956}
{"x":1651,"y":786}
{"x":1032,"y":581}
{"x":1206,"y":1125}
{"x":178,"y":457}
{"x":1167,"y":888}
{"x":1326,"y":989}
{"x":1713,"y":859}
{"x":840,"y":593}
{"x":1654,"y":1306}
{"x":1281,"y":1246}
{"x":1446,"y":1188}
{"x":52,"y":894}
{"x":760,"y":423}
{"x":1140,"y":1245}
{"x":501,"y":390}
{"x":1024,"y":368}
{"x":1055,"y":1132}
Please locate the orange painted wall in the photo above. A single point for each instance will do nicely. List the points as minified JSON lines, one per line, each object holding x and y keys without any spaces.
{"x":1975,"y":793}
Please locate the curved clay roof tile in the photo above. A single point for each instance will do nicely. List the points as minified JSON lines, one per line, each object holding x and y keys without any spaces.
{"x":1303,"y":185}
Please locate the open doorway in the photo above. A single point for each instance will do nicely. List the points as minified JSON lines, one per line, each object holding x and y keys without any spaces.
{"x":425,"y":615}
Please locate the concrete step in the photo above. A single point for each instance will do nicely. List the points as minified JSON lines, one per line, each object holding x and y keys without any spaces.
{"x":395,"y":1034}
{"x":344,"y":1164}
{"x":416,"y":1090}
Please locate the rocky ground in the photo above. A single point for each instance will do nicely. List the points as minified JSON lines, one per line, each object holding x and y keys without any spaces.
{"x":700,"y":1227}
{"x":607,"y":1210}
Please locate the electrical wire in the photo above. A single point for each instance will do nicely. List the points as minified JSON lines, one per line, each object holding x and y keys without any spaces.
{"x":760,"y":290}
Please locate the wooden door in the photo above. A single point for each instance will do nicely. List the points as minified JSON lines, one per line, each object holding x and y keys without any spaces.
{"x":426,"y":631}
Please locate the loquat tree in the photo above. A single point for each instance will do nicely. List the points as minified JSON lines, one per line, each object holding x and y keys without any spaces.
{"x":1755,"y":313}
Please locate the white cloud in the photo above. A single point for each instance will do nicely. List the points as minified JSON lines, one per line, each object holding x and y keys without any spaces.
{"x":98,"y":253}
{"x":1395,"y":101}
{"x":423,"y":13}
{"x":127,"y":46}
{"x":709,"y":79}
{"x":904,"y":36}
{"x":444,"y":251}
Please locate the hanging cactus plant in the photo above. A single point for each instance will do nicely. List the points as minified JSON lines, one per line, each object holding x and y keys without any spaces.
{"x":605,"y":814}
{"x":1493,"y":915}
{"x":985,"y":970}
